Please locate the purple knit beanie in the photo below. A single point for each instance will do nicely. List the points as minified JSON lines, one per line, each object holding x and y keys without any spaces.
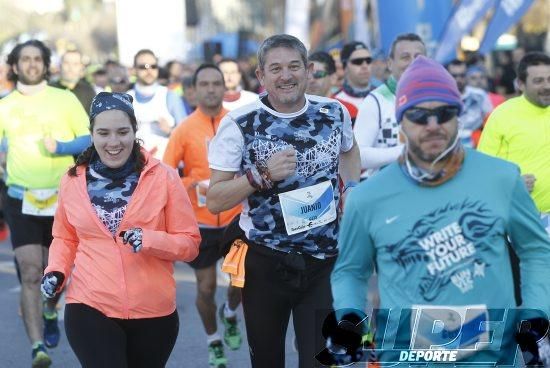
{"x":425,"y":80}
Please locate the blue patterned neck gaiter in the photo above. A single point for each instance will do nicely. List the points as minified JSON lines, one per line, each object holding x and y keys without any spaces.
{"x":110,"y":190}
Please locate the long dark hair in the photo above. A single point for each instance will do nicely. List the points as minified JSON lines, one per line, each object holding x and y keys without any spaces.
{"x":85,"y":157}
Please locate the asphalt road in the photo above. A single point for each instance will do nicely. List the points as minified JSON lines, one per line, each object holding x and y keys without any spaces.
{"x":190,"y":349}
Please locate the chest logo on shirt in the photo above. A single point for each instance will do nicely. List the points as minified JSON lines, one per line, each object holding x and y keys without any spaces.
{"x":447,"y":243}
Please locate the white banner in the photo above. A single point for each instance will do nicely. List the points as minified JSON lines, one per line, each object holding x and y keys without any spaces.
{"x":158,"y":25}
{"x":297,"y":20}
{"x":360,"y":23}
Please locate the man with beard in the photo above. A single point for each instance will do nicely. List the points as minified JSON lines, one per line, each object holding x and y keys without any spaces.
{"x":158,"y":110}
{"x":436,"y":225}
{"x":290,"y":149}
{"x":72,"y":71}
{"x":518,"y":130}
{"x":189,"y":144}
{"x":44,"y":127}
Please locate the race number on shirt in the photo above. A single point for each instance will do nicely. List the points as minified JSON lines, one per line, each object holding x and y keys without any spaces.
{"x":39,"y":202}
{"x":309,"y":207}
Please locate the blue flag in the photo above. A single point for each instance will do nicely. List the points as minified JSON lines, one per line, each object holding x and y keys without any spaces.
{"x":399,"y":16}
{"x":395,"y":17}
{"x":465,"y":16}
{"x":506,"y":15}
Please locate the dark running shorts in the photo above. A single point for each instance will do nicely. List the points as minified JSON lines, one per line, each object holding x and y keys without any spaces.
{"x":26,"y":229}
{"x":209,"y":250}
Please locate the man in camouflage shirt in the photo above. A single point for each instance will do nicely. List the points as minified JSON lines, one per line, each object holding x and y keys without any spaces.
{"x":290,"y":151}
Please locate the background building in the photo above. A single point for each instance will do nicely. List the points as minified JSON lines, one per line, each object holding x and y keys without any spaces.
{"x":193,"y":30}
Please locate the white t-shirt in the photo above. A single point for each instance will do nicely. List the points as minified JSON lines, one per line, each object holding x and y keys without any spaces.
{"x":245,"y":98}
{"x":377,"y":131}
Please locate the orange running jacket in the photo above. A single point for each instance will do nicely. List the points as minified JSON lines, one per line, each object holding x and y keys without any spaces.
{"x":106,"y":274}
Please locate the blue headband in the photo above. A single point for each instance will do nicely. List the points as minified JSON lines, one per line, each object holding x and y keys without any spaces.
{"x":105,"y":101}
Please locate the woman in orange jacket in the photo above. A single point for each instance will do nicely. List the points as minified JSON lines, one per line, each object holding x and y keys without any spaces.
{"x":122,"y":219}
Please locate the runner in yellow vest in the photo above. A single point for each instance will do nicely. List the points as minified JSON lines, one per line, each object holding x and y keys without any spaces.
{"x":44,"y":127}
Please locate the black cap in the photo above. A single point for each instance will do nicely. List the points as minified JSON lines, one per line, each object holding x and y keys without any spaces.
{"x":349,"y":48}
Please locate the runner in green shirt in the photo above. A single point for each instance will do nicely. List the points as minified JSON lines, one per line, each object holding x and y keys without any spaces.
{"x":519,"y":129}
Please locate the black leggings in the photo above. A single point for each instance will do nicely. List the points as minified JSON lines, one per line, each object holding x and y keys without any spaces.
{"x":102,"y":342}
{"x":278,"y":284}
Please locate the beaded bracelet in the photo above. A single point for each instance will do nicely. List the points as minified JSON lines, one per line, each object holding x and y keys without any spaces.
{"x":254,"y":178}
{"x":263,"y":171}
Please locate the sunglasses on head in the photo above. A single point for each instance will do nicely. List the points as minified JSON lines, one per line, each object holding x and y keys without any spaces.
{"x":147,"y":66}
{"x":359,"y":61}
{"x":420,"y":115}
{"x":319,"y":74}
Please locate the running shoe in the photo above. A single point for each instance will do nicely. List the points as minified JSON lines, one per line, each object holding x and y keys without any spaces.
{"x":51,"y":330}
{"x":216,"y":356}
{"x":232,"y":334}
{"x":40,"y":357}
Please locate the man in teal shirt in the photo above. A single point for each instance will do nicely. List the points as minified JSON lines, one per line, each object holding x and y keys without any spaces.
{"x":435,"y":225}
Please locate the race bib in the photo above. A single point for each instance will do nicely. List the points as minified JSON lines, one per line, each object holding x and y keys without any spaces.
{"x":39,"y":202}
{"x":307,"y":208}
{"x":442,"y":327}
{"x":545,"y":217}
{"x":202,"y":188}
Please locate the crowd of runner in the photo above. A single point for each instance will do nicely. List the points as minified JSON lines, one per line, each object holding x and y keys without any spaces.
{"x":308,"y":174}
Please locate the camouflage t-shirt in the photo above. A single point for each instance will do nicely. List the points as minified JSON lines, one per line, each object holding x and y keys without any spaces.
{"x":319,"y":132}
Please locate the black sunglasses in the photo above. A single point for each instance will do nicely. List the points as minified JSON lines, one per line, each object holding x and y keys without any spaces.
{"x":420,"y":115}
{"x":147,"y":66}
{"x":359,"y":61}
{"x":319,"y":74}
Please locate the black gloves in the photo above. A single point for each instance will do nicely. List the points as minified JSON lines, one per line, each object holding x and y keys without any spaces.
{"x":51,"y":283}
